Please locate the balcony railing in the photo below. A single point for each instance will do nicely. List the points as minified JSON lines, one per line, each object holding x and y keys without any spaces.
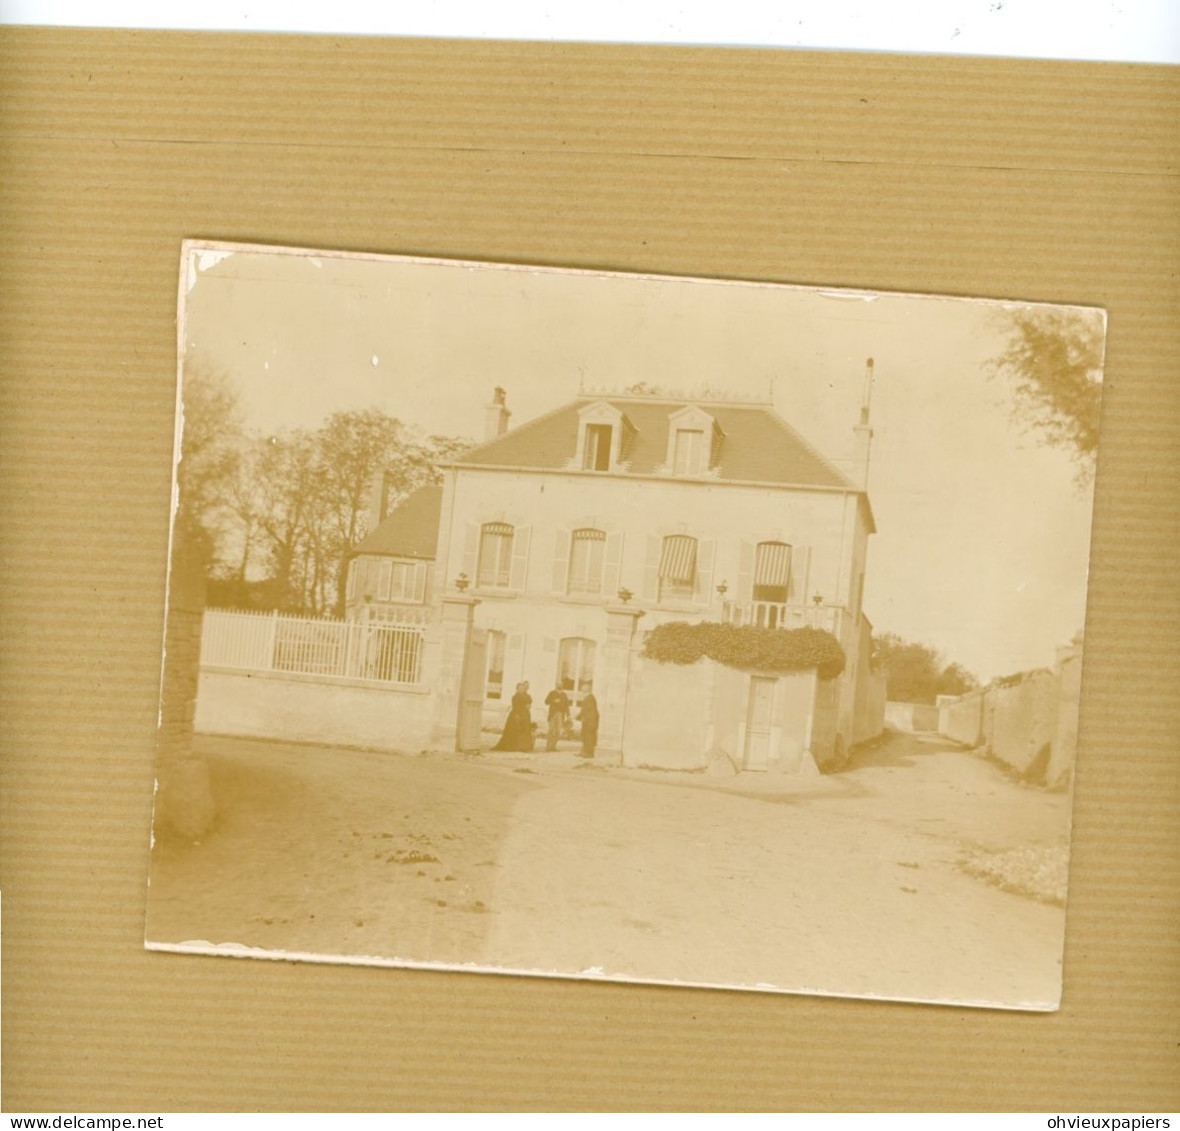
{"x":769,"y":614}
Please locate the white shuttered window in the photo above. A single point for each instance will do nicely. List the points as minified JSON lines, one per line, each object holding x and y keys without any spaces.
{"x":587,"y":556}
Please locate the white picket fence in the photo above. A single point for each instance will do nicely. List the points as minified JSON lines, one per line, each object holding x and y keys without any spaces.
{"x":270,"y":642}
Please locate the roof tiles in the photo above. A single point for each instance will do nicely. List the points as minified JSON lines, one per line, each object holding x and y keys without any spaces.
{"x":758,"y":445}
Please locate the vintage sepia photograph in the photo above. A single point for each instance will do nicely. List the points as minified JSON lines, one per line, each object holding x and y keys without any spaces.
{"x":645,"y":628}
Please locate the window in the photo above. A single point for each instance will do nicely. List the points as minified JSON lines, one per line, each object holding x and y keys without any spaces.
{"x":494,"y":684}
{"x":386,"y":580}
{"x":368,"y":577}
{"x":408,"y":582}
{"x":596,"y":454}
{"x":586,"y":560}
{"x":575,"y":666}
{"x":495,"y":556}
{"x":772,"y":572}
{"x":678,"y":567}
{"x":688,"y":451}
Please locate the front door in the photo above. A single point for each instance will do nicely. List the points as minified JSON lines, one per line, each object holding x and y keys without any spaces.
{"x":759,"y":719}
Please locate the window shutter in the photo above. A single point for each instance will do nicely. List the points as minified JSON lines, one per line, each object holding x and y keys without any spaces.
{"x":350,"y":592}
{"x":420,"y":582}
{"x":703,"y":583}
{"x":651,"y":569}
{"x":368,"y":578}
{"x":745,"y":580}
{"x":520,"y":557}
{"x":797,"y":593}
{"x":513,"y":663}
{"x":386,"y":581}
{"x":612,"y":566}
{"x":470,"y":552}
{"x":561,"y":559}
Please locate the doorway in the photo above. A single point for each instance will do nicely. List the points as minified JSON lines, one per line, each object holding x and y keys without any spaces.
{"x":759,"y":721}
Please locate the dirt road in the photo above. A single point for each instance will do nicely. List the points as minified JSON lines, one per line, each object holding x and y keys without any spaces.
{"x":848,"y":883}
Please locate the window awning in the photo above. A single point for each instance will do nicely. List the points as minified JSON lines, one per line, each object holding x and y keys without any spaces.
{"x":773,"y":565}
{"x":678,"y":558}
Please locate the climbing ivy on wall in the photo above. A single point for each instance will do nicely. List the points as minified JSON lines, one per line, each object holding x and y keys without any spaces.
{"x":761,"y":649}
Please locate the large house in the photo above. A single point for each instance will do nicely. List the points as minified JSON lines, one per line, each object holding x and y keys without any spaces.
{"x":676,"y":509}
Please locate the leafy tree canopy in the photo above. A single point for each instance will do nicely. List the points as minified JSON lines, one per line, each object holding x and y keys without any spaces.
{"x":272,"y":516}
{"x":1053,"y":360}
{"x":916,"y":673}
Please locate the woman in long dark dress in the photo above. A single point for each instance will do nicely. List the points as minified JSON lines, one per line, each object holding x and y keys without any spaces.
{"x":589,"y":717}
{"x":518,"y":727}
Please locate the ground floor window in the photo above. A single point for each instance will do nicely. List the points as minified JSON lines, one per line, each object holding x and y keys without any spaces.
{"x":387,"y":580}
{"x":575,"y":666}
{"x":494,"y":683}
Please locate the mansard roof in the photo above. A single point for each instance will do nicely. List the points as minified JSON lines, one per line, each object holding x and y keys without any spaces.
{"x":410,"y":530}
{"x":757,"y":444}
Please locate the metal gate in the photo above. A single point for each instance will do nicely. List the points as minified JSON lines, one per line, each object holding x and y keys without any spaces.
{"x":472,"y":692}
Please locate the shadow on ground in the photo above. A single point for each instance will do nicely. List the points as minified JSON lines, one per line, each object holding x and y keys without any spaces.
{"x":337,"y":852}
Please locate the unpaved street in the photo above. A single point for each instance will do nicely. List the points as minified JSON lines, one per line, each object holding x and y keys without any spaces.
{"x":848,"y":883}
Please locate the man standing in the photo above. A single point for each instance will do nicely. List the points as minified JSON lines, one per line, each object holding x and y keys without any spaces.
{"x":559,"y":708}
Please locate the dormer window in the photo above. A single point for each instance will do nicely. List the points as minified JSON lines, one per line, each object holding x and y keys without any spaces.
{"x":604,"y":435}
{"x":688,"y":451}
{"x":597,"y":447}
{"x":694,"y":440}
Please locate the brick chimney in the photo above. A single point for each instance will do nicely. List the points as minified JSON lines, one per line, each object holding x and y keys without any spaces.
{"x":496,"y":415}
{"x":380,"y":490}
{"x":863,"y":432}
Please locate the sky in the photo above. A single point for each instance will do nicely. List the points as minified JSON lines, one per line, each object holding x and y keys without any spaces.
{"x":983,"y":531}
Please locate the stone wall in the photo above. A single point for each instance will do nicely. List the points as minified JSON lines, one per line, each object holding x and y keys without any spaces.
{"x":1024,"y":722}
{"x":294,"y":708}
{"x":668,"y":707}
{"x":868,"y":719}
{"x":911,"y":716}
{"x":1031,"y":725}
{"x":826,"y":745}
{"x":962,"y":718}
{"x":691,"y":716}
{"x":1065,"y":740}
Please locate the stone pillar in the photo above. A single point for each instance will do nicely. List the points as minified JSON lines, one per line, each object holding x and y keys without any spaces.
{"x":458,"y":619}
{"x":616,"y":676}
{"x":184,"y":801}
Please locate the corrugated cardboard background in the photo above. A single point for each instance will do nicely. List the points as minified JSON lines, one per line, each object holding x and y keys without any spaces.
{"x":981,"y":177}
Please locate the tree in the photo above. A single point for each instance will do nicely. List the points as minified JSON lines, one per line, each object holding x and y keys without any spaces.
{"x":352,"y":448}
{"x":1053,"y":359}
{"x":287,"y":482}
{"x":361,"y":451}
{"x":916,"y":673}
{"x":955,"y":679}
{"x":209,"y":460}
{"x":273,"y":516}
